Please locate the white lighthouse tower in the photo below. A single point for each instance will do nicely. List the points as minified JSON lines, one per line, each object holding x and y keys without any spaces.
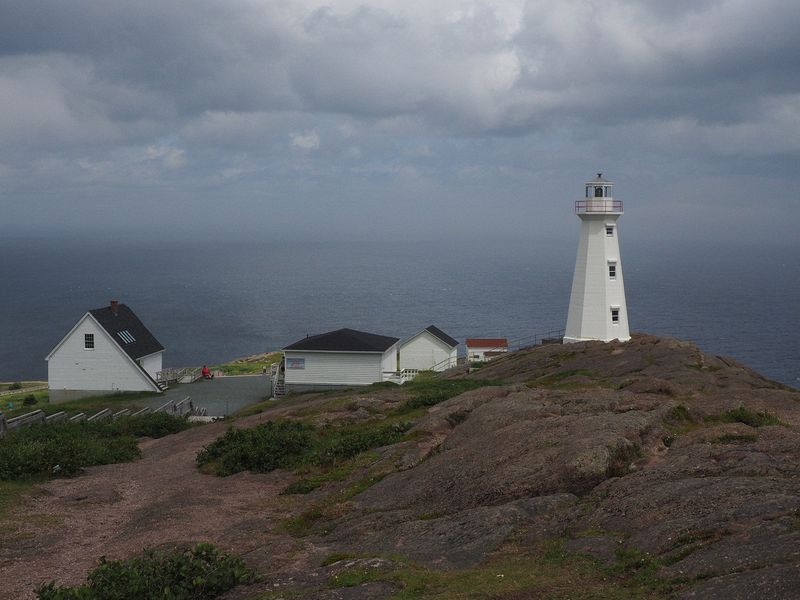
{"x":597,"y":308}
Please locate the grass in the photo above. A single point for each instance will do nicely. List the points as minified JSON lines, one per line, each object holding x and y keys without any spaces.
{"x":13,"y":406}
{"x":355,"y":576}
{"x":14,"y":494}
{"x":16,"y":385}
{"x":547,"y":572}
{"x":318,"y":518}
{"x":678,"y":421}
{"x":335,"y":557}
{"x":557,"y":380}
{"x":307,"y":485}
{"x":249,"y":365}
{"x":428,"y":391}
{"x":11,"y":493}
{"x":255,"y":409}
{"x":748,"y":417}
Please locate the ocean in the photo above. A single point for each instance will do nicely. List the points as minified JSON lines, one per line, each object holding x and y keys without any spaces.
{"x":210,"y":301}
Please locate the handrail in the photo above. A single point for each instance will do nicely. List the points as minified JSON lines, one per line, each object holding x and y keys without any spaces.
{"x":177,"y":373}
{"x":598,"y":205}
{"x":528,"y":341}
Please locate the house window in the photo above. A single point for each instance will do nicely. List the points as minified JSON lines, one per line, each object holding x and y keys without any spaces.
{"x":612,"y":270}
{"x":295,"y":363}
{"x":615,"y":315}
{"x":610,"y":230}
{"x":88,"y":341}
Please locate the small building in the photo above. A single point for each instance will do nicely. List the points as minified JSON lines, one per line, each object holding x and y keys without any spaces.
{"x":108,"y":350}
{"x":341,"y":358}
{"x":484,"y":349}
{"x":431,"y":348}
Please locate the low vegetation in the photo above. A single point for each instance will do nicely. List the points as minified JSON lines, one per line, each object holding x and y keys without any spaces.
{"x":270,"y":446}
{"x":17,"y":404}
{"x":65,"y":448}
{"x":748,"y":417}
{"x":293,"y":444}
{"x":547,"y":572}
{"x":249,"y":365}
{"x":199,"y":573}
{"x":428,"y":391}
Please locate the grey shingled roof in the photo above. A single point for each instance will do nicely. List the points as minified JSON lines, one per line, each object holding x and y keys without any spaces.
{"x":442,"y":336}
{"x":345,"y":340}
{"x":144,"y":342}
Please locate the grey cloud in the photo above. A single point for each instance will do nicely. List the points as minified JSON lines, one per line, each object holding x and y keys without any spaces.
{"x":390,"y":103}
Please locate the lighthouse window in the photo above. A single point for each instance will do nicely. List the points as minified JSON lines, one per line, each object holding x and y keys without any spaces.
{"x":610,"y":230}
{"x":615,"y":315}
{"x":598,"y":191}
{"x":612,"y":271}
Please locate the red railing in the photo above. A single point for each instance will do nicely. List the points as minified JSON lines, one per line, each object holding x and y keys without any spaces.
{"x":598,"y":205}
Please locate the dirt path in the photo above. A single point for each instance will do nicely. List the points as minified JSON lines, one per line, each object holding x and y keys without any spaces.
{"x":117,"y":510}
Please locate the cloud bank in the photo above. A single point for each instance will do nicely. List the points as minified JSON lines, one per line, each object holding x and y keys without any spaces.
{"x":389,"y":115}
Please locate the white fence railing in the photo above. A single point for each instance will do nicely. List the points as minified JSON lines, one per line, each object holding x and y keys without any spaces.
{"x":180,"y":408}
{"x":179,"y":375}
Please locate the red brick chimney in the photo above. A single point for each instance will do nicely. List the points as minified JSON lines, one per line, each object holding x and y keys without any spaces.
{"x":115,"y":307}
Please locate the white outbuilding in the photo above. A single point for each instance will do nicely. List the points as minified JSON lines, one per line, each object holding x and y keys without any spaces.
{"x":484,"y":349}
{"x":108,"y":350}
{"x":336,"y":359}
{"x":431,"y":348}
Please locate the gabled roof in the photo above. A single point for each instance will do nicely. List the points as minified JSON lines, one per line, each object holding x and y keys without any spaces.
{"x":127,"y":330}
{"x":435,"y":331}
{"x":487,"y":342}
{"x":345,"y":340}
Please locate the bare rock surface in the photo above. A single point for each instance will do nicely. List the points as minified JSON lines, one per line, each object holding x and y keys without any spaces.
{"x":649,"y":448}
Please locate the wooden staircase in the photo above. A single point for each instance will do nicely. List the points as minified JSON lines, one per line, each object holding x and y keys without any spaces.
{"x":278,"y":382}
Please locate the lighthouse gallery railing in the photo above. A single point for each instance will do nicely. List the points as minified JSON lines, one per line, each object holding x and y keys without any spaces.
{"x":599,"y":205}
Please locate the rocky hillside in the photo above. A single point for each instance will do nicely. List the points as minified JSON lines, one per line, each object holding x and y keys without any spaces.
{"x":638,"y":470}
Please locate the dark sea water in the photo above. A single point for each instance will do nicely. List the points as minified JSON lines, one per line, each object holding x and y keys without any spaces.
{"x":208,"y":302}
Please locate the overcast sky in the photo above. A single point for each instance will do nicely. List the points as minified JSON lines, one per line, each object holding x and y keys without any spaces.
{"x":297,"y":118}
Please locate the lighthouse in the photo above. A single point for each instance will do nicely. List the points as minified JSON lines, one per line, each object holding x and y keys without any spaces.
{"x":597,"y":308}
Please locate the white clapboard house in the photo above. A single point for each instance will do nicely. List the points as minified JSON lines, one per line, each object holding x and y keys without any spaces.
{"x":108,"y":350}
{"x":341,"y":358}
{"x":431,"y":348}
{"x":483,"y":349}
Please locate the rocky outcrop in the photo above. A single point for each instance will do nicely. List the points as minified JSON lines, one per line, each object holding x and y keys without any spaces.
{"x":634,"y":442}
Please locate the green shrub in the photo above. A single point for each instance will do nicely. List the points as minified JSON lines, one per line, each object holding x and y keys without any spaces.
{"x":335,"y":445}
{"x":288,"y":444}
{"x":65,"y":448}
{"x":29,"y":400}
{"x":269,"y":446}
{"x":199,"y":573}
{"x":60,"y":449}
{"x":17,"y":385}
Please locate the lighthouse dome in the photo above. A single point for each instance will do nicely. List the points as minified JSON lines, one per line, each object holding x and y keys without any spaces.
{"x":599,"y":187}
